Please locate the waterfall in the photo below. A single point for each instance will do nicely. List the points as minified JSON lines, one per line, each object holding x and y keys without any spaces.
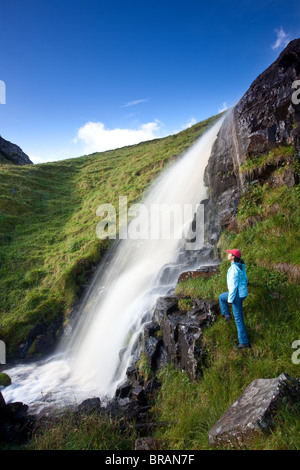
{"x":93,"y":360}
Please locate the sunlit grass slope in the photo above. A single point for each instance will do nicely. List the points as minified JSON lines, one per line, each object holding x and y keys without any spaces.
{"x":48,"y":242}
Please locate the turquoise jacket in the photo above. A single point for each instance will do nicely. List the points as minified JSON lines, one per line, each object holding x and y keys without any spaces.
{"x":237,"y":281}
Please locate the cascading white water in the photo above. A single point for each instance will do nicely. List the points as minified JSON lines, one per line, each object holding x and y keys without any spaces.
{"x":120,"y":299}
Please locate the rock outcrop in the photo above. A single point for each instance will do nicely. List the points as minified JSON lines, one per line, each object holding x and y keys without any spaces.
{"x":254,"y":410}
{"x":16,"y":424}
{"x":266,"y":117}
{"x":181,"y":333}
{"x":12,"y":154}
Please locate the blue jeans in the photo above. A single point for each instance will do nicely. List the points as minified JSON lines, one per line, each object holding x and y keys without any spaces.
{"x":237,"y":310}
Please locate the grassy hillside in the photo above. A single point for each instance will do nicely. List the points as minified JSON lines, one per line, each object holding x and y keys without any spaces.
{"x":48,"y":242}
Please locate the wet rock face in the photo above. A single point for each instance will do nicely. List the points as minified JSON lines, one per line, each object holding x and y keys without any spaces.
{"x":266,"y":115}
{"x":254,"y":410}
{"x":264,"y":118}
{"x":11,"y":153}
{"x":182,"y":331}
{"x":15,"y":424}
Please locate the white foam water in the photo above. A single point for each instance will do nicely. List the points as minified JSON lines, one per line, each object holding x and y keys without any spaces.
{"x":94,"y":359}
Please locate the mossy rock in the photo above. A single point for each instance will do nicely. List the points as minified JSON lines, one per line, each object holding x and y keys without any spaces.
{"x":5,"y":380}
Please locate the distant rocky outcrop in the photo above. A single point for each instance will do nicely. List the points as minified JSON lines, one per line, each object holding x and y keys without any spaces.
{"x":266,"y":117}
{"x":12,"y":154}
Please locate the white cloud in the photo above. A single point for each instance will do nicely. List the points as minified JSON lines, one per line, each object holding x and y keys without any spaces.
{"x":224,"y":108}
{"x":96,"y":138}
{"x":190,"y":123}
{"x":282,"y":39}
{"x":135,"y":102}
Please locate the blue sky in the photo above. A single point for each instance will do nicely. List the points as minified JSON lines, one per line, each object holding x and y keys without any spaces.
{"x":88,"y":75}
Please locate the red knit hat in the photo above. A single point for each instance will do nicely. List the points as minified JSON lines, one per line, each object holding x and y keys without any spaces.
{"x":236,"y":253}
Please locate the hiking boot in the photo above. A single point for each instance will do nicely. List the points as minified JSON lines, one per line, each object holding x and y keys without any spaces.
{"x":227,"y":318}
{"x":243,"y":346}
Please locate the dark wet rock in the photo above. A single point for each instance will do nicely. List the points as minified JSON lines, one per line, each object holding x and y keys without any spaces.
{"x":254,"y":410}
{"x":124,"y":389}
{"x":147,"y":443}
{"x":152,"y":350}
{"x":182,"y":331}
{"x":41,"y":339}
{"x":2,"y":401}
{"x":162,"y":358}
{"x":138,"y":394}
{"x":15,"y":424}
{"x":133,"y":374}
{"x":89,"y":406}
{"x":43,"y":344}
{"x":150,"y":329}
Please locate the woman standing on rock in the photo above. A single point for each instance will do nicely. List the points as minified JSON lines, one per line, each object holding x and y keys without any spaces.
{"x":237,"y":292}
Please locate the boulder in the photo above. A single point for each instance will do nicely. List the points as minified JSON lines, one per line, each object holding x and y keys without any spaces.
{"x":89,"y":406}
{"x":253,"y":411}
{"x":15,"y":424}
{"x":5,"y":380}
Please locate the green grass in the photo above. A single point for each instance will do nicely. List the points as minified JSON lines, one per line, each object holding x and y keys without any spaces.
{"x":279,"y":156}
{"x":73,"y":431}
{"x":48,"y":242}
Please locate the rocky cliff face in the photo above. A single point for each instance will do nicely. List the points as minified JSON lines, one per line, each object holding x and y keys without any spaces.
{"x":265,"y":118}
{"x":12,"y":154}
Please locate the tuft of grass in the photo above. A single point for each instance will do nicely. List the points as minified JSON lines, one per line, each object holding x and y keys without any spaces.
{"x":76,"y":431}
{"x":278,"y":157}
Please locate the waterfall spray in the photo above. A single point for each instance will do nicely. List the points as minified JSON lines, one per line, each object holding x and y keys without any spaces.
{"x":93,"y":360}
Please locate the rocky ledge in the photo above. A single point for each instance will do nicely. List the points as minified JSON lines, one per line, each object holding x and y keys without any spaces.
{"x":177,"y":334}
